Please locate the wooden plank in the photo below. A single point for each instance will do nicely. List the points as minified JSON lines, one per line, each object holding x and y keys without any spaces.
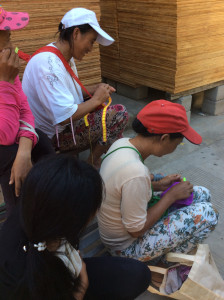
{"x":173,"y":45}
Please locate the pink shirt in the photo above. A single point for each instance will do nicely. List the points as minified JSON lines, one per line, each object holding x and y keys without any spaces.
{"x":14,"y":107}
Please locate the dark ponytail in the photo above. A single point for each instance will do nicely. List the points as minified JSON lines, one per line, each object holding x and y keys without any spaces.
{"x":46,"y":277}
{"x":59,"y":197}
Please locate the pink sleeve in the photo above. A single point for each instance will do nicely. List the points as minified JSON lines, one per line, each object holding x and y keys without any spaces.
{"x":26,"y":116}
{"x":9,"y":113}
{"x":14,"y":107}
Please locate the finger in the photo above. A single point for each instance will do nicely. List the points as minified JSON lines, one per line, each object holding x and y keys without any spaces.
{"x":17,"y":187}
{"x":5,"y":54}
{"x":112,"y":89}
{"x":177,"y":177}
{"x":12,"y":57}
{"x":12,"y":178}
{"x":17,"y":60}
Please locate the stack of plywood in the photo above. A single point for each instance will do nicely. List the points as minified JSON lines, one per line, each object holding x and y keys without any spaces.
{"x":170,"y":45}
{"x":110,"y":55}
{"x":200,"y":43}
{"x":145,"y":42}
{"x":45,"y":17}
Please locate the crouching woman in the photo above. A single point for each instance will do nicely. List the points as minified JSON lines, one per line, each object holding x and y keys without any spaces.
{"x":39,"y":240}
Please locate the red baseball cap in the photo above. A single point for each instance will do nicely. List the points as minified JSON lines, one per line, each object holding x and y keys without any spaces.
{"x":12,"y":20}
{"x":161,"y":116}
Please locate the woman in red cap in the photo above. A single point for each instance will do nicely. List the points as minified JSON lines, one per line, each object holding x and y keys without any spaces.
{"x":131,"y":222}
{"x":17,"y":134}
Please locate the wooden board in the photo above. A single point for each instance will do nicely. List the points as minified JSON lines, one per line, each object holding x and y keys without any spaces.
{"x":171,"y":45}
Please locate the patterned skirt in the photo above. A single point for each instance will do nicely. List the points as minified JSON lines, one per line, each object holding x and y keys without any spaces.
{"x":180,"y":231}
{"x":116,"y":121}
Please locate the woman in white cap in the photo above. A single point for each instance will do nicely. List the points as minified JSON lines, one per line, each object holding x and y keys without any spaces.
{"x":17,"y":134}
{"x":57,"y":100}
{"x":134,"y":224}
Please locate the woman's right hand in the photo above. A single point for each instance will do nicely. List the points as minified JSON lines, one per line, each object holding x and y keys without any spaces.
{"x":180,"y":191}
{"x":102,"y":93}
{"x":9,"y":65}
{"x":84,"y":283}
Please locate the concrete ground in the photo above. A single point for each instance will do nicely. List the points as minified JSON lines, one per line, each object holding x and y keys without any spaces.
{"x":201,"y":165}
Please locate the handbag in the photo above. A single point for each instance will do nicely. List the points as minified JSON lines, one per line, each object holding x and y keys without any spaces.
{"x":204,"y":281}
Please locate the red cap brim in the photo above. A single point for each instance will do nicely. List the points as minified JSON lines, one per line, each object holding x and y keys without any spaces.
{"x":192,"y":136}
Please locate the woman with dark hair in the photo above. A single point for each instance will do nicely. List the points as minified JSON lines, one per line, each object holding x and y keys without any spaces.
{"x":39,"y":240}
{"x":57,"y":99}
{"x":20,"y":143}
{"x":134,"y":224}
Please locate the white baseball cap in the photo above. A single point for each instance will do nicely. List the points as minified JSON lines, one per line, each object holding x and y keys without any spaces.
{"x":79,"y":16}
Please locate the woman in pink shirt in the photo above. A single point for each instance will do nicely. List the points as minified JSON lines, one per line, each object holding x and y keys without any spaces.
{"x":17,"y":134}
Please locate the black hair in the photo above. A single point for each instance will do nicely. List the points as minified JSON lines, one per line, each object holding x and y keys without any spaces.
{"x":59,"y":197}
{"x":139,"y":128}
{"x":66,"y":34}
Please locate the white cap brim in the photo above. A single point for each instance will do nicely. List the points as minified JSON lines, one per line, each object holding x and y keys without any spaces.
{"x":103,"y":38}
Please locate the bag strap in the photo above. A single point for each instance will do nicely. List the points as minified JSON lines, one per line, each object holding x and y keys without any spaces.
{"x":180,"y":257}
{"x":153,"y":290}
{"x":158,"y":269}
{"x":64,"y":61}
{"x":123,"y":148}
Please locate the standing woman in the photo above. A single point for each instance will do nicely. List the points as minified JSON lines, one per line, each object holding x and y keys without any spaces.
{"x":38,"y":242}
{"x":57,"y":100}
{"x":18,"y":137}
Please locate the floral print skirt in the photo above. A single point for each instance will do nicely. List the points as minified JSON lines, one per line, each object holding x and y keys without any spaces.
{"x":180,"y":231}
{"x":116,"y":120}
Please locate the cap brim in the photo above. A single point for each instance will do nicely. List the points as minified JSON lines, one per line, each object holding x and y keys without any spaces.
{"x":192,"y":136}
{"x":103,"y":38}
{"x":15,"y":21}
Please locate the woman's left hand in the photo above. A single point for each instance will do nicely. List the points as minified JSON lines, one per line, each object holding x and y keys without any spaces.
{"x":20,"y":168}
{"x":166,"y":182}
{"x":22,"y":164}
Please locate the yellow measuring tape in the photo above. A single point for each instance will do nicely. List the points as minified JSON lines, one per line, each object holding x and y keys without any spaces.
{"x":104,"y":126}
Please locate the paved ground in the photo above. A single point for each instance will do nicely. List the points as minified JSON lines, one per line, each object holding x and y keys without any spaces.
{"x":202,"y":165}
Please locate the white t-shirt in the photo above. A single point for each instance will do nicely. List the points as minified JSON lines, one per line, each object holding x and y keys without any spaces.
{"x":128,"y":191}
{"x":53,"y":95}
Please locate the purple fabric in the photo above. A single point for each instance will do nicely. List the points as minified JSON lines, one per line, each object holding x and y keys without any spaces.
{"x":181,"y":202}
{"x":183,"y":272}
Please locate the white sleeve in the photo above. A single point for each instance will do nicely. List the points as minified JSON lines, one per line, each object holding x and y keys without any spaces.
{"x":135,"y":195}
{"x":57,"y":100}
{"x":56,"y":89}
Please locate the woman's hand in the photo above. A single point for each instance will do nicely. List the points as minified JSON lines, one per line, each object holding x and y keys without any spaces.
{"x":21,"y":167}
{"x":84,"y":283}
{"x":180,"y":191}
{"x":22,"y":164}
{"x":100,"y":96}
{"x":166,"y":182}
{"x":102,"y":93}
{"x":9,"y":65}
